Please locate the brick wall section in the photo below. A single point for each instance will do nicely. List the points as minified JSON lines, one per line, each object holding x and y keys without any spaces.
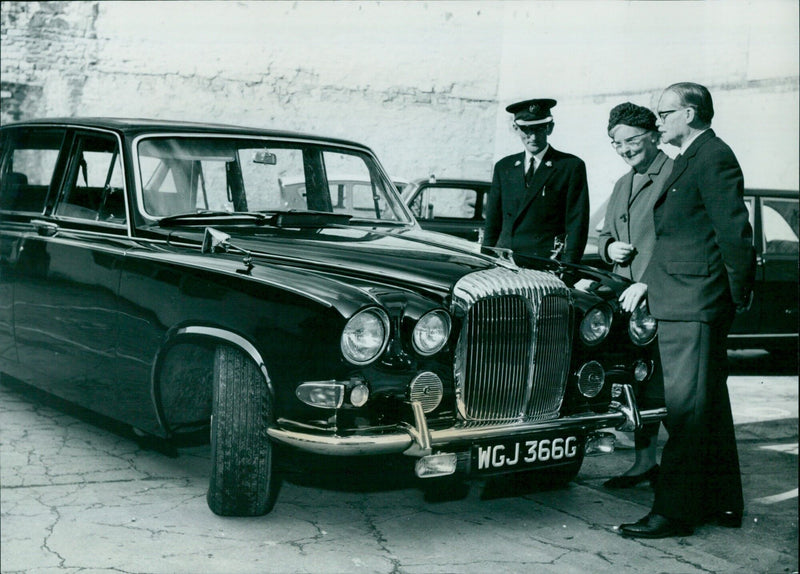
{"x":94,"y":58}
{"x":46,"y":56}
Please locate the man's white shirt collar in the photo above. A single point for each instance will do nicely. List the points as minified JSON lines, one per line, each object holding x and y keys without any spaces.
{"x":688,"y":142}
{"x":539,"y":156}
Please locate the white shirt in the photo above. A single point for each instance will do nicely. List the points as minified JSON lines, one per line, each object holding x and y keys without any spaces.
{"x":689,"y":141}
{"x":536,"y":158}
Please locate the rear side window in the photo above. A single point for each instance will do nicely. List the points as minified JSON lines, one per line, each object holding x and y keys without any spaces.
{"x":452,"y":202}
{"x":779,"y":222}
{"x":28,"y":162}
{"x":94,"y":182}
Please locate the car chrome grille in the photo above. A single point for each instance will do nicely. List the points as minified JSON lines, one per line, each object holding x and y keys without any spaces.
{"x":514,"y":349}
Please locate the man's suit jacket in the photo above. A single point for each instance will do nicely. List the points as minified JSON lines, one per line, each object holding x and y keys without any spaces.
{"x":629,"y":216}
{"x":527,"y":220}
{"x":703,"y":263}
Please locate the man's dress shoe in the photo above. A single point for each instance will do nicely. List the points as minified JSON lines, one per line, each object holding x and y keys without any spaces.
{"x":726,"y":519}
{"x":631,"y":480}
{"x":655,"y":526}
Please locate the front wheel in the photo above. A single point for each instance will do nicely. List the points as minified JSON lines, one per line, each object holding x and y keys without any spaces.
{"x":242,"y":479}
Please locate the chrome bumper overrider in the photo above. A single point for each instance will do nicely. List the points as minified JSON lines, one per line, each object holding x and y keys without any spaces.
{"x":418,"y":440}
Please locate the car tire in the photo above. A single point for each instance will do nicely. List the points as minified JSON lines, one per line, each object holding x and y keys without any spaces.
{"x":242,"y":479}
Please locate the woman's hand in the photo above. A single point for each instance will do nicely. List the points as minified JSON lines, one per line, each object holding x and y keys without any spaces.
{"x":621,"y":252}
{"x":632,"y":296}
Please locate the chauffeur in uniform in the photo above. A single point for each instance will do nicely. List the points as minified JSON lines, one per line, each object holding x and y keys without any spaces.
{"x":701,"y":272}
{"x":537,"y":195}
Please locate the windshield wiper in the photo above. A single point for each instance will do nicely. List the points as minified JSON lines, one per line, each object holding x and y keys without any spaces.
{"x":204,"y":218}
{"x":307,"y":219}
{"x":379,"y":222}
{"x":282,"y":219}
{"x":312,"y":219}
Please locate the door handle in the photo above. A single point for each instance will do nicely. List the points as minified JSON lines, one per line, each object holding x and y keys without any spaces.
{"x":45,"y":228}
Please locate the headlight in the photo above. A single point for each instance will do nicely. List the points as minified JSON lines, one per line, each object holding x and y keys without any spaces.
{"x":596,"y":324}
{"x":431,"y":332}
{"x":365,"y":336}
{"x":642,"y":326}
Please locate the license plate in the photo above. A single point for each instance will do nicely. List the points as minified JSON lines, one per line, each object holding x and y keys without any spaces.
{"x":524,"y":453}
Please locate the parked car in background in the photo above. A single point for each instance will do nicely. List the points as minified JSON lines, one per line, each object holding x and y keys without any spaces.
{"x":173,"y":276}
{"x":454,"y":206}
{"x":771,"y":322}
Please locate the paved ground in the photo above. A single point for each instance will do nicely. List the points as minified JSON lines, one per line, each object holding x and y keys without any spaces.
{"x":80,"y":495}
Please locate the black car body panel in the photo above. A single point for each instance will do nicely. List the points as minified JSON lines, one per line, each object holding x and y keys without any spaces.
{"x":172,"y":275}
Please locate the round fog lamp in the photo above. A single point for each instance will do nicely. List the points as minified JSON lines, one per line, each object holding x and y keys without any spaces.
{"x":359,"y":395}
{"x":641,"y":370}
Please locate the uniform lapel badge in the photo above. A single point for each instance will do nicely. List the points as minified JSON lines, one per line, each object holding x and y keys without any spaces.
{"x":518,"y":163}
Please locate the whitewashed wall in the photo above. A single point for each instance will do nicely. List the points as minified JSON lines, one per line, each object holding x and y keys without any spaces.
{"x":424,"y":84}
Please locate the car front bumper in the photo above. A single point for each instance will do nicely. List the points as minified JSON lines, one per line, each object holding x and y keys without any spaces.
{"x":418,"y":440}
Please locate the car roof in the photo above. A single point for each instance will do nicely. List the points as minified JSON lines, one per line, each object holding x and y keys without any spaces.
{"x":791,"y":194}
{"x":136,"y":126}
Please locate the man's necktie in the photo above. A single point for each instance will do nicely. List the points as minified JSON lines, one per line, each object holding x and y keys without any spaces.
{"x":529,"y":173}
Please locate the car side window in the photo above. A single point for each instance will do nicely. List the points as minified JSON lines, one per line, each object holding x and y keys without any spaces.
{"x":779,"y":226}
{"x":94,"y":185}
{"x":28,"y":162}
{"x":451,"y":202}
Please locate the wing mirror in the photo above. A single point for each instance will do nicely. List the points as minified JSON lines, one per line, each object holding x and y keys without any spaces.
{"x":215,"y":240}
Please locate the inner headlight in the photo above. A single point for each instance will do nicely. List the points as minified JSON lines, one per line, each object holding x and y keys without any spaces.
{"x":596,"y":324}
{"x":365,"y":336}
{"x":431,"y":332}
{"x":642,"y":326}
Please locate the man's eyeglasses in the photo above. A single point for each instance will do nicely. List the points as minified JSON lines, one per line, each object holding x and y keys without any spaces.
{"x":528,"y":130}
{"x":629,"y":142}
{"x":665,"y":114}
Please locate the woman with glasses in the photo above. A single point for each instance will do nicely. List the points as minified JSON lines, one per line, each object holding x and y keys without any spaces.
{"x":626,"y":242}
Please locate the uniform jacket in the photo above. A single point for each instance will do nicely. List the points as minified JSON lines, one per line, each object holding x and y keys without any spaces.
{"x":629,"y":216}
{"x":703,"y":262}
{"x":527,"y":220}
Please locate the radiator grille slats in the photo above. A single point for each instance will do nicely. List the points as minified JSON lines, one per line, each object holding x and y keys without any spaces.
{"x":513,"y":352}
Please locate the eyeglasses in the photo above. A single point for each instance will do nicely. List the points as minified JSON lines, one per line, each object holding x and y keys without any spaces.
{"x":665,"y":114}
{"x":528,"y":130}
{"x":633,"y":141}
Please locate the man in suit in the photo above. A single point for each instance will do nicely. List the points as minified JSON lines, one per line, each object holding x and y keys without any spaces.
{"x":540,"y":195}
{"x":627,"y":242}
{"x":700,"y":274}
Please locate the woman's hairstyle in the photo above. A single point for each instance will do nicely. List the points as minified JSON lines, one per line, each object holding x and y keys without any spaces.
{"x":632,"y":115}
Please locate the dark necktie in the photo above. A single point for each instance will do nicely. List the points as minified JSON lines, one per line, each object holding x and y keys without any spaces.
{"x":529,"y":174}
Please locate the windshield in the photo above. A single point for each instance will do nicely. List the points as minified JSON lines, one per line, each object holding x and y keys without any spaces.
{"x":187,"y":175}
